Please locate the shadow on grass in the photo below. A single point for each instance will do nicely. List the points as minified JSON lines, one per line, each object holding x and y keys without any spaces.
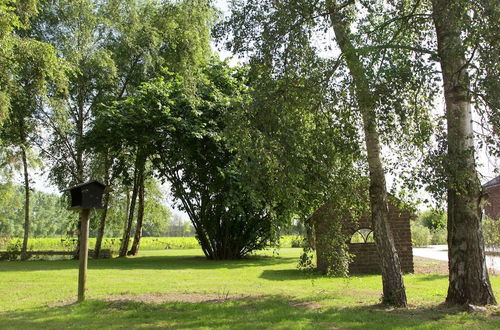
{"x":148,"y":262}
{"x":286,"y":274}
{"x":429,"y":278}
{"x":261,"y":313}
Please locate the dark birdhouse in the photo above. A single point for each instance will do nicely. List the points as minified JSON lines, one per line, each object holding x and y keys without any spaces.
{"x":87,"y":195}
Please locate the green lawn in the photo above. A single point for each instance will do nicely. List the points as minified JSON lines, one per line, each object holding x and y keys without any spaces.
{"x":180,"y":289}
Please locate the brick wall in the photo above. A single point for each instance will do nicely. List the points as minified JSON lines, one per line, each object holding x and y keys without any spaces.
{"x":492,"y":208}
{"x":366,"y":258}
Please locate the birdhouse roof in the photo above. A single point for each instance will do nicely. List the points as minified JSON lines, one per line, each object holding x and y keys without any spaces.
{"x":86,"y":184}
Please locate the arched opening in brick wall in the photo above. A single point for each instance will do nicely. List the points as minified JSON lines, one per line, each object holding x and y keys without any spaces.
{"x":362,"y":236}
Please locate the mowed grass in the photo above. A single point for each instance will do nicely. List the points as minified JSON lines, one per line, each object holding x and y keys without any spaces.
{"x":262,"y":291}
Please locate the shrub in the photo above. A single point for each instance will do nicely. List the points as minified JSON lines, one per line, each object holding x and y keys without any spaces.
{"x":4,"y":240}
{"x":433,"y":219}
{"x":439,"y":237}
{"x":420,"y":235}
{"x":491,"y":232}
{"x":291,"y":241}
{"x":14,"y":249}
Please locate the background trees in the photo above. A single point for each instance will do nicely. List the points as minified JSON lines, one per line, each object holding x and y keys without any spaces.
{"x":50,"y":217}
{"x":110,"y":47}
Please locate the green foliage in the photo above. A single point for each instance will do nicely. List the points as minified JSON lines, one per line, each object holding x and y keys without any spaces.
{"x":4,"y":240}
{"x":335,"y":249}
{"x":50,"y":217}
{"x":157,"y":216}
{"x":11,"y":207}
{"x":362,"y":236}
{"x":439,"y":236}
{"x":491,"y":232}
{"x":420,"y":235}
{"x":433,"y":219}
{"x":181,"y":130}
{"x":49,"y":214}
{"x":147,"y":243}
{"x":293,"y":43}
{"x":291,"y":241}
{"x":111,"y":47}
{"x":14,"y":17}
{"x":306,"y":260}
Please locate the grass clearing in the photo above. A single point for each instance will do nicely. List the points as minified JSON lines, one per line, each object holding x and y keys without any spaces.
{"x":180,"y":289}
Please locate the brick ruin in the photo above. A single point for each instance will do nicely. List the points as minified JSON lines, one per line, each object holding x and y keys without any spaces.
{"x":366,"y":258}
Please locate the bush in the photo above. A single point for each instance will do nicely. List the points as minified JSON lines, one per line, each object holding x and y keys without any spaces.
{"x":491,"y":232}
{"x":291,"y":241}
{"x":420,"y":235}
{"x":4,"y":240}
{"x":433,"y":219}
{"x":439,"y":237}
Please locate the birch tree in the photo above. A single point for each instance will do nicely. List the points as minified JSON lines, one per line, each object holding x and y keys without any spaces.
{"x":384,"y":91}
{"x":468,"y":274}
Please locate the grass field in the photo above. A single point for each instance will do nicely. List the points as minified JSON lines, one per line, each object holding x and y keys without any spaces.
{"x":180,"y":289}
{"x":147,"y":243}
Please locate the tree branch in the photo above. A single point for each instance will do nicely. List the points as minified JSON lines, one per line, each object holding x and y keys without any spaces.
{"x":368,"y":49}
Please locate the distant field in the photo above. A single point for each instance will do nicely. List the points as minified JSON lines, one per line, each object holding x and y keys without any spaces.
{"x":147,"y":243}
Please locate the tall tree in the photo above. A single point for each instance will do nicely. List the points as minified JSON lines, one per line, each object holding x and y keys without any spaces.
{"x":140,"y":218}
{"x":106,"y":201}
{"x":178,"y":124}
{"x":230,"y":220}
{"x":26,"y":68}
{"x":393,"y":288}
{"x":14,"y":16}
{"x":364,"y":77}
{"x":297,"y":148}
{"x":468,"y":275}
{"x":37,"y":75}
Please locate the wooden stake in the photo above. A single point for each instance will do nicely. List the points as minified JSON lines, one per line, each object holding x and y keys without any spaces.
{"x":84,"y":254}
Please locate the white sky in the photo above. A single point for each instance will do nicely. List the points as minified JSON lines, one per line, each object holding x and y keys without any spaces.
{"x":486,"y":166}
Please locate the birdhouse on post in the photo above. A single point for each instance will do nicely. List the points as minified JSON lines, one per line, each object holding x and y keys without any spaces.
{"x":87,"y":195}
{"x":84,"y":197}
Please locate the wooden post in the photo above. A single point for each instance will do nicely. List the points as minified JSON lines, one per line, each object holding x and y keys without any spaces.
{"x":84,"y":254}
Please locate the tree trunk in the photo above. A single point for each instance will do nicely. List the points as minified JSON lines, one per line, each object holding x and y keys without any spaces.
{"x":468,"y":275}
{"x":79,"y":157}
{"x":102,"y":226}
{"x":102,"y":223}
{"x":140,"y":217}
{"x":26,"y":204}
{"x":130,"y":220}
{"x":392,"y":279}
